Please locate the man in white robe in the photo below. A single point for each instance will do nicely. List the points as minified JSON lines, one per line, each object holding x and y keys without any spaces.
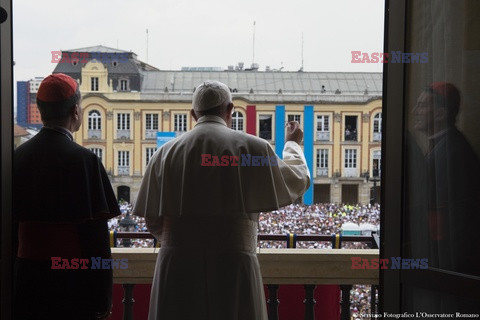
{"x":201,"y":197}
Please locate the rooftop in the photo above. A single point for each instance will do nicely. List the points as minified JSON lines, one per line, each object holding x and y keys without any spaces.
{"x":265,"y":86}
{"x":98,"y":48}
{"x":19,"y":131}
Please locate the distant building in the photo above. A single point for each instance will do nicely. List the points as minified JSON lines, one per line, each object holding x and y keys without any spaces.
{"x":28,"y":114}
{"x":121,"y":67}
{"x":23,"y":100}
{"x":35,"y":84}
{"x":340,"y":112}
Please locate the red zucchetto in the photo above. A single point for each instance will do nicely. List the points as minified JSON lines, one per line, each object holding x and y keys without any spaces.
{"x":57,"y":87}
{"x":448,"y":92}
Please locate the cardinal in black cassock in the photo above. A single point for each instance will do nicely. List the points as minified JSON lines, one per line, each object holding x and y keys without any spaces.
{"x":443,"y":197}
{"x":62,"y":199}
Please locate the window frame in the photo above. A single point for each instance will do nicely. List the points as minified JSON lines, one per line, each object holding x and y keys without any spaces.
{"x":123,"y":124}
{"x":185,"y":122}
{"x":94,"y":122}
{"x":317,"y":133}
{"x":377,"y":122}
{"x":238,"y":117}
{"x":94,"y":84}
{"x":150,"y":123}
{"x":294,"y":115}
{"x":123,"y":161}
{"x":318,"y":161}
{"x":358,"y":115}
{"x":266,"y":113}
{"x":149,"y":152}
{"x":94,"y":148}
{"x":121,"y":87}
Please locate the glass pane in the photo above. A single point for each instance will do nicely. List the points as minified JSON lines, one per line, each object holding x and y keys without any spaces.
{"x":423,"y":303}
{"x":442,"y":137}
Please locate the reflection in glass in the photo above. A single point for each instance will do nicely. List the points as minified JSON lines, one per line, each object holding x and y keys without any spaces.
{"x":446,"y":172}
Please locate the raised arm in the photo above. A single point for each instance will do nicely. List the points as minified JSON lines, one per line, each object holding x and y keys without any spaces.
{"x":294,"y":166}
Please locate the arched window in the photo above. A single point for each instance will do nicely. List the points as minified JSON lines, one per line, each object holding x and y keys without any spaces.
{"x":94,"y":120}
{"x":237,"y":121}
{"x":377,"y":127}
{"x":94,"y":125}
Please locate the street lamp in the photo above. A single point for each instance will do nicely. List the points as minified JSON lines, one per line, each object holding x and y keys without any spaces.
{"x":375,"y":179}
{"x":127,"y":224}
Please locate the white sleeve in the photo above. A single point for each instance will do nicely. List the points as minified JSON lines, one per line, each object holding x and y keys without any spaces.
{"x":154,"y":226}
{"x":147,"y":202}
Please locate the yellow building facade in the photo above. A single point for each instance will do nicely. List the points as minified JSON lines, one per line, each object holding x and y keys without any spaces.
{"x":121,"y":126}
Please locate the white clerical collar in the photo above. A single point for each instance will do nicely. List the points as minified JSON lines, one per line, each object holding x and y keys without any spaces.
{"x":211,"y":118}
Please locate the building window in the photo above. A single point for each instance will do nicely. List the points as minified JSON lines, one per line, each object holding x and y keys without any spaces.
{"x":180,"y":123}
{"x":151,"y":125}
{"x":149,"y":154}
{"x":265,"y":126}
{"x":322,"y":162}
{"x":123,"y":121}
{"x":377,"y":127}
{"x":237,"y":121}
{"x":98,"y":152}
{"x":350,"y":158}
{"x":351,"y":128}
{"x":94,"y":84}
{"x":123,"y":163}
{"x":123,"y":126}
{"x":323,"y":128}
{"x":152,"y":121}
{"x":294,"y":117}
{"x":351,"y":162}
{"x":123,"y":85}
{"x":94,"y":125}
{"x":94,"y":120}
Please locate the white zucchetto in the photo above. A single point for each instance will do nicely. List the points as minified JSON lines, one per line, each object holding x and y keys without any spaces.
{"x":210,"y":94}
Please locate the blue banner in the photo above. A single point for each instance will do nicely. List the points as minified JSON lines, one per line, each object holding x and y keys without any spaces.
{"x":308,"y":128}
{"x":164,"y":137}
{"x":279,"y":130}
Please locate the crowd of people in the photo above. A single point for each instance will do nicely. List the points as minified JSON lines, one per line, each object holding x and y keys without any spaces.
{"x":321,"y":218}
{"x":324,"y":219}
{"x":140,"y":226}
{"x":360,"y":301}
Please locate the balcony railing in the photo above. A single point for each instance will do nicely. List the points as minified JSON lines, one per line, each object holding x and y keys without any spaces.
{"x":123,"y":171}
{"x":350,"y":136}
{"x":123,"y":134}
{"x":323,"y":136}
{"x":350,"y":172}
{"x":94,"y":134}
{"x":278,"y":267}
{"x":150,"y":134}
{"x":322,"y":172}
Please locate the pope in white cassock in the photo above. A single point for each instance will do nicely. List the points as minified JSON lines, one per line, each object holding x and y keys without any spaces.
{"x":205,"y":212}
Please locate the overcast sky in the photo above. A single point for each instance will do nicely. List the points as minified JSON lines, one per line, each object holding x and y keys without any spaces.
{"x":202,"y":33}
